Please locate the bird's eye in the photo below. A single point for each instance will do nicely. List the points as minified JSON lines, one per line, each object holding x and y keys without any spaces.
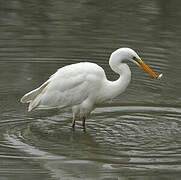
{"x":134,"y":58}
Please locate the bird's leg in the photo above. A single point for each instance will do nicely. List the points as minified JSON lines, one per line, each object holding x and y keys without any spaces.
{"x":83,"y":122}
{"x":73,"y":121}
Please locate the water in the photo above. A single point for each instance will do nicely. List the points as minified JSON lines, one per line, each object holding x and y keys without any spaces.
{"x":135,"y":136}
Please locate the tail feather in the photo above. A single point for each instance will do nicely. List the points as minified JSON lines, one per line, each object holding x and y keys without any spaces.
{"x":30,"y":96}
{"x":27,"y":98}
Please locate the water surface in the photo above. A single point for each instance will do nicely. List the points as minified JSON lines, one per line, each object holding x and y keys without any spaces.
{"x":135,"y":136}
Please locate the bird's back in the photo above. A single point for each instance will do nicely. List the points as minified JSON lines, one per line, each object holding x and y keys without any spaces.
{"x":77,"y":69}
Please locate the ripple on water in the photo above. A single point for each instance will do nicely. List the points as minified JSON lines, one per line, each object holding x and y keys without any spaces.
{"x":116,"y":136}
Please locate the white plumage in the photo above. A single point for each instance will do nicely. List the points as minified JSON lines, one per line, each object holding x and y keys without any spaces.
{"x":83,"y":85}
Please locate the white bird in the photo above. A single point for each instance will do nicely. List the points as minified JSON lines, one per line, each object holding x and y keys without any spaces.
{"x":84,"y":85}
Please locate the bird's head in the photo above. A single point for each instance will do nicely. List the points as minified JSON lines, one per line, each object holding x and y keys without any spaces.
{"x":129,"y":54}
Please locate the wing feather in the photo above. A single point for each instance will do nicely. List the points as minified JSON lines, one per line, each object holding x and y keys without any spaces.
{"x":70,"y":85}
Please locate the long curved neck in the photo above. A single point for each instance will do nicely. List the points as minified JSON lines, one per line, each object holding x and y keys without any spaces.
{"x":114,"y":88}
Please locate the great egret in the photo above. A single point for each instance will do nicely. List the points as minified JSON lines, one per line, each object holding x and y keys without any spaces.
{"x":84,"y":85}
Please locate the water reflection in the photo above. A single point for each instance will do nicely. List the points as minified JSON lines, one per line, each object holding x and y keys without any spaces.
{"x":136,"y":135}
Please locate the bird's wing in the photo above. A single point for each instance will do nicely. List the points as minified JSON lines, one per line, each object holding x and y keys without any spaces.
{"x":68,"y":86}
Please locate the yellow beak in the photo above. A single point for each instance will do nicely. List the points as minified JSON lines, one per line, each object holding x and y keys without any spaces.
{"x":147,"y":69}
